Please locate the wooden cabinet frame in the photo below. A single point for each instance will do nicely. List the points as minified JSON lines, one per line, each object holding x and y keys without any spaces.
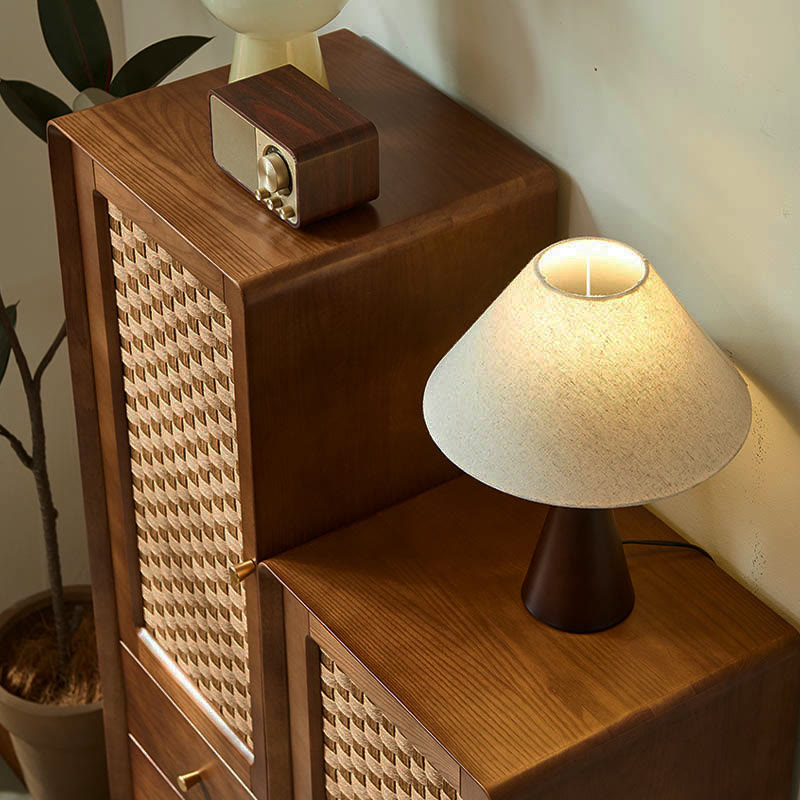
{"x":334,"y":332}
{"x":94,"y":351}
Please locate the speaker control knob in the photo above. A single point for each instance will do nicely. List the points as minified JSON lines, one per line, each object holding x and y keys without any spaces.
{"x":273,"y":173}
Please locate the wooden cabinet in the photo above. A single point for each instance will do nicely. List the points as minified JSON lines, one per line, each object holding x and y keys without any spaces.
{"x":414,"y":669}
{"x":242,"y":387}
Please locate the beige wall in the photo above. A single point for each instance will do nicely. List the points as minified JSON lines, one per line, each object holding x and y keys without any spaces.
{"x":177,"y":18}
{"x":674,"y":127}
{"x":29,"y":273}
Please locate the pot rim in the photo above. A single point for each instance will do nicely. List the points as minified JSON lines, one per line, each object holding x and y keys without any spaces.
{"x":8,"y":617}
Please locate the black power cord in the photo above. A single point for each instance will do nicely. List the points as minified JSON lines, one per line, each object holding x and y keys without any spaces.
{"x":667,"y":543}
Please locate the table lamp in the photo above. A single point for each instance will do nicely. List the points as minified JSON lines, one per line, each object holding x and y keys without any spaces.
{"x":586,"y":386}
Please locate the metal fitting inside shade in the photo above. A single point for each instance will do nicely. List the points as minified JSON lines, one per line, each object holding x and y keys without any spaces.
{"x":591,"y":268}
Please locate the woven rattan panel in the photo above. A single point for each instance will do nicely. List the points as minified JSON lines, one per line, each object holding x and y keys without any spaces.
{"x":366,"y":756}
{"x":178,"y":379}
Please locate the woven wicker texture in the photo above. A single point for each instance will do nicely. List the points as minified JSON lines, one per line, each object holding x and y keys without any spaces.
{"x":178,"y":379}
{"x":366,"y":756}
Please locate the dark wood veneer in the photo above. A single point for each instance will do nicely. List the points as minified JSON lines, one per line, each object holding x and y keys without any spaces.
{"x":335,"y":149}
{"x":297,"y":111}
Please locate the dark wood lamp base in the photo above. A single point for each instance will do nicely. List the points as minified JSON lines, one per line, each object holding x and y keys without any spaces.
{"x":578,"y":579}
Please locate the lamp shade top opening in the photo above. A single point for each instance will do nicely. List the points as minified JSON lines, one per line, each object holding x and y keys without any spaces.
{"x":594,"y":269}
{"x":586,"y":384}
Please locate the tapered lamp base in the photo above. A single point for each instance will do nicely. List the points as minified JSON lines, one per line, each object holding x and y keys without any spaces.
{"x":578,"y":579}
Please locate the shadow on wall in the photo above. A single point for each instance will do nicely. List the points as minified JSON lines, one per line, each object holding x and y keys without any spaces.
{"x":469,"y":32}
{"x":746,"y":515}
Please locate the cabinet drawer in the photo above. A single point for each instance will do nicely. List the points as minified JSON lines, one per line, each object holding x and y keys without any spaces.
{"x":171,"y":741}
{"x":148,"y":782}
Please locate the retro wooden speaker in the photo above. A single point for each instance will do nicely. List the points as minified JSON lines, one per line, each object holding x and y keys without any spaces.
{"x":242,"y":387}
{"x":294,"y":145}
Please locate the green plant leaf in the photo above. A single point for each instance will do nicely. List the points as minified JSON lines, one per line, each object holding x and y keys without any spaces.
{"x":77,"y":39}
{"x":31,"y":105}
{"x":5,"y":342}
{"x":150,"y":66}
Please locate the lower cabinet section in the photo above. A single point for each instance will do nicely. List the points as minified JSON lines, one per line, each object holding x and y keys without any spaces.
{"x":171,"y":745}
{"x":148,"y":782}
{"x":415,"y":672}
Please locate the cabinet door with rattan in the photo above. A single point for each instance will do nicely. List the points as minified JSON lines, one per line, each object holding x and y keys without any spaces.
{"x":165,"y":342}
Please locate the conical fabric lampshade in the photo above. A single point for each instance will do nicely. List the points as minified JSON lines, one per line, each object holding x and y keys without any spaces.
{"x":586,"y":384}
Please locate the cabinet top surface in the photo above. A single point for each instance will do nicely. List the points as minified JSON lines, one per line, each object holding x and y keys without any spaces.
{"x":427,"y":596}
{"x":438,"y":162}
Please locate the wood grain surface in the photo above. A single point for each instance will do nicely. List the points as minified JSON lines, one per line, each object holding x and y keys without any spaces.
{"x":335,"y":327}
{"x":366,"y":302}
{"x":694,"y":696}
{"x":435,"y":156}
{"x":171,"y":741}
{"x":303,"y":116}
{"x":73,"y":191}
{"x":149,"y":783}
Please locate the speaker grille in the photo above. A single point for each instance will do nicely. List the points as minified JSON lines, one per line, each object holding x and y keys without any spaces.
{"x":175,"y":337}
{"x":366,"y":756}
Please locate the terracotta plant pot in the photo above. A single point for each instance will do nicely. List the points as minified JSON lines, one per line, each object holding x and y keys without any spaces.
{"x":60,"y":749}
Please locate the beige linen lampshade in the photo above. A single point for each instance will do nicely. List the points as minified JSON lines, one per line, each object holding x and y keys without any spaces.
{"x":587,"y":386}
{"x":604,"y":400}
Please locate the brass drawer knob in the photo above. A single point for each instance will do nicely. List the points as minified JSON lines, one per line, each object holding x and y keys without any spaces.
{"x":189,"y":779}
{"x":240,"y":571}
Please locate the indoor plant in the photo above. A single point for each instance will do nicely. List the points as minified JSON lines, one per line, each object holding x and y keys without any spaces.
{"x":49,"y":683}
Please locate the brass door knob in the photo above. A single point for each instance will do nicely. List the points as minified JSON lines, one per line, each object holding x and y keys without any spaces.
{"x":189,"y":779}
{"x":240,"y":571}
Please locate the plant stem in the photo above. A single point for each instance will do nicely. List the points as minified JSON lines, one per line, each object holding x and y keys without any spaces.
{"x":17,"y":447}
{"x":51,"y":351}
{"x":38,"y":465}
{"x":49,"y":517}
